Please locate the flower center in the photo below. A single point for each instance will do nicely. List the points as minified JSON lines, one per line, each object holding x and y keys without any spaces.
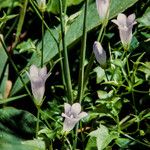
{"x":71,"y":116}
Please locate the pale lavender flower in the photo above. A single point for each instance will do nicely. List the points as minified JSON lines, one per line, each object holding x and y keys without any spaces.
{"x":102,"y":8}
{"x":100,"y":54}
{"x":38,"y":78}
{"x":72,"y":115}
{"x":125,"y":25}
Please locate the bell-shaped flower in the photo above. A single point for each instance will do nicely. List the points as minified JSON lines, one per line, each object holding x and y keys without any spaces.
{"x":103,"y":8}
{"x":38,"y":78}
{"x":125,"y":25}
{"x":100,"y":54}
{"x":42,"y":5}
{"x":72,"y":116}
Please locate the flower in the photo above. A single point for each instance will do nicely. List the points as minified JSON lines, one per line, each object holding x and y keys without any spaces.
{"x":42,"y":5}
{"x":38,"y":78}
{"x":102,"y":8}
{"x":100,"y":54}
{"x":125,"y":25}
{"x":72,"y":115}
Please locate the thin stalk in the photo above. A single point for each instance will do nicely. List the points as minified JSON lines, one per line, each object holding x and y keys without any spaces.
{"x":118,"y":124}
{"x":43,"y":113}
{"x":128,"y":69}
{"x":134,"y":104}
{"x":92,"y":58}
{"x":15,"y":68}
{"x":106,"y":75}
{"x":116,"y":67}
{"x":75,"y":139}
{"x":9,"y":10}
{"x":21,"y":21}
{"x":64,"y":6}
{"x":68,"y":142}
{"x":49,"y":30}
{"x":39,"y":15}
{"x":11,"y":28}
{"x":65,"y":55}
{"x":62,"y":68}
{"x":37,"y":122}
{"x":81,"y":67}
{"x":131,"y":138}
{"x":82,"y":55}
{"x":42,"y":52}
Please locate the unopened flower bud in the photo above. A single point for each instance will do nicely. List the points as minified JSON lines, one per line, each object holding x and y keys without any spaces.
{"x":42,"y":5}
{"x":100,"y":54}
{"x":103,"y":8}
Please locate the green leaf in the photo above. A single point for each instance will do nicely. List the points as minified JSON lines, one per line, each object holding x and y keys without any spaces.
{"x":100,"y":74}
{"x":53,"y":5}
{"x":3,"y":57}
{"x":145,"y":19}
{"x":122,"y":142}
{"x":7,"y":17}
{"x":18,"y":122}
{"x":35,"y":144}
{"x":48,"y":133}
{"x":145,"y":68}
{"x":15,"y":126}
{"x":27,"y":46}
{"x":9,"y":3}
{"x":4,"y":101}
{"x":73,"y":34}
{"x":104,"y":94}
{"x":91,"y":145}
{"x":8,"y":141}
{"x":134,"y":44}
{"x":3,"y":83}
{"x":103,"y":137}
{"x":3,"y":70}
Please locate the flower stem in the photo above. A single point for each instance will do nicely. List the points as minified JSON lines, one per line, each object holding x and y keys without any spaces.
{"x":68,"y":142}
{"x":118,"y":124}
{"x":21,"y":20}
{"x":131,"y":138}
{"x":62,"y":68}
{"x":42,"y":52}
{"x":75,"y":137}
{"x":82,"y":55}
{"x":39,"y":15}
{"x":65,"y":55}
{"x":37,"y":122}
{"x":49,"y":30}
{"x":81,"y":68}
{"x":92,"y":58}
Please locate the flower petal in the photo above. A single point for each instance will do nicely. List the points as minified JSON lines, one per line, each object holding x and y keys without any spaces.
{"x":82,"y":115}
{"x":64,"y":115}
{"x":116,"y":22}
{"x":131,"y":20}
{"x":122,"y":20}
{"x":33,"y":72}
{"x":43,"y":72}
{"x":69,"y":124}
{"x":67,"y":108}
{"x":76,"y":109}
{"x":38,"y":91}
